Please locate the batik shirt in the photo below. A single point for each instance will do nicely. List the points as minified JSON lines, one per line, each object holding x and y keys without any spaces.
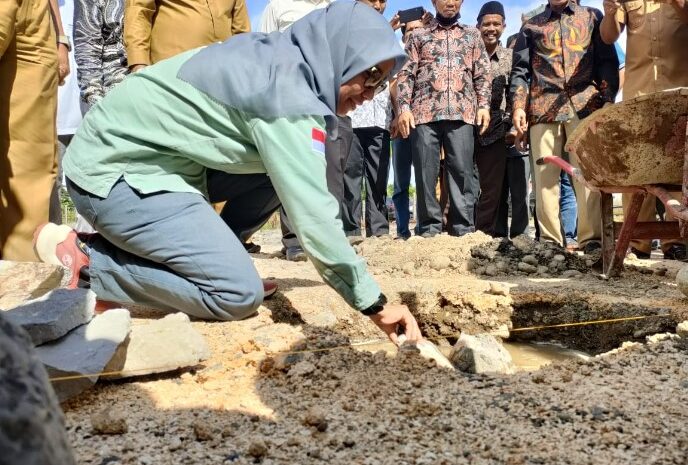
{"x":373,"y":113}
{"x":447,"y":75}
{"x":562,"y":64}
{"x":98,"y":47}
{"x":500,"y":109}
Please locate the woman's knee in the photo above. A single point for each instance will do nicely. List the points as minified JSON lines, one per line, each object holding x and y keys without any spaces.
{"x":239,"y":302}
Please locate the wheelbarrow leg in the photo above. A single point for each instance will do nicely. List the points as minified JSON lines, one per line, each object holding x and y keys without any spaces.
{"x":625,"y":235}
{"x":607,"y":210}
{"x":683,"y":225}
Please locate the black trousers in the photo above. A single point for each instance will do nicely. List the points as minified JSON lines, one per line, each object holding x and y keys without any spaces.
{"x":515,"y":187}
{"x":336,"y":153}
{"x":367,"y":167}
{"x":457,"y":139}
{"x":491,"y":162}
{"x":250,"y":200}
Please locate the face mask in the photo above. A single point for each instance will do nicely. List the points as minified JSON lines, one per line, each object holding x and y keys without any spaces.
{"x":446,"y":22}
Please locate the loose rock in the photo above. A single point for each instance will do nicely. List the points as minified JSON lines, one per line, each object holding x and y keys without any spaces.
{"x":481,"y":354}
{"x":108,"y":421}
{"x":32,"y":430}
{"x":682,"y":280}
{"x":21,"y":281}
{"x":571,"y":274}
{"x":257,"y":449}
{"x":316,"y":418}
{"x":163,"y":345}
{"x":526,"y":268}
{"x":498,"y":289}
{"x":55,"y":314}
{"x":84,"y":351}
{"x":682,"y":329}
{"x":439,"y":263}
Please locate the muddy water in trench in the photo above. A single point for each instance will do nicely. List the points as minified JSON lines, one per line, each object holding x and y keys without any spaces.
{"x":526,"y":356}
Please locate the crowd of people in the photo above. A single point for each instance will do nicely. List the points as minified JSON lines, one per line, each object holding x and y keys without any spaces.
{"x":174,"y":121}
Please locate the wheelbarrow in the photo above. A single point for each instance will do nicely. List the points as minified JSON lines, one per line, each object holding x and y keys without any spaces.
{"x":638,"y":147}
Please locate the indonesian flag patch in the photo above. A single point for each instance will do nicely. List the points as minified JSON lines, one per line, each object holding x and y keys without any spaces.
{"x":318,"y":137}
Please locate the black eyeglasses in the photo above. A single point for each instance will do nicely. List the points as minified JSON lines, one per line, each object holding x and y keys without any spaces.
{"x":376,"y":79}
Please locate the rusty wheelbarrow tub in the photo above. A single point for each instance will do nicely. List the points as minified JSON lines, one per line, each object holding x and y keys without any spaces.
{"x":639,"y":147}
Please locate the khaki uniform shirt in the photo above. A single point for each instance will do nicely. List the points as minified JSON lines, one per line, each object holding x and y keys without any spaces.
{"x":158,"y":29}
{"x":656,"y":49}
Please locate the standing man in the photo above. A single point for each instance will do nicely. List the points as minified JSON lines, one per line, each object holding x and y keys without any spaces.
{"x":562,"y":72}
{"x":279,"y":15}
{"x":444,"y":92}
{"x":656,"y":60}
{"x":158,"y":29}
{"x":33,"y":60}
{"x":490,"y":149}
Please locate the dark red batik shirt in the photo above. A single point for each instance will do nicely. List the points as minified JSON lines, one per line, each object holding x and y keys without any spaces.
{"x":561,"y":65}
{"x":447,"y":76}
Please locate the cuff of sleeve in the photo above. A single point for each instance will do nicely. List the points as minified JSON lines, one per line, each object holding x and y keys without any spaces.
{"x":366,"y":293}
{"x":404,"y":107}
{"x":138,"y":57}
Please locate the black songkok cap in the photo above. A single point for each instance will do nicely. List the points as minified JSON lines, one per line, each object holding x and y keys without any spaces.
{"x":491,"y":8}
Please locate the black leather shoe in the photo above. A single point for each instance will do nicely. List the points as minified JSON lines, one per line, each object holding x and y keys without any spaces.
{"x":640,"y":254}
{"x":676,"y":252}
{"x":296,"y":254}
{"x":592,"y":247}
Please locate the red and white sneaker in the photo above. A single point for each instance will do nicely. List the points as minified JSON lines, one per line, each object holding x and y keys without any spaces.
{"x":269,"y":288}
{"x":60,"y":245}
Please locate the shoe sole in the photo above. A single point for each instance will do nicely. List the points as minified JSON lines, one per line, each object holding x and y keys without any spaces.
{"x":45,"y":241}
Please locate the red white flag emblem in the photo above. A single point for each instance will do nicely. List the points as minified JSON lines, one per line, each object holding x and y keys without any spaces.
{"x":318,"y":137}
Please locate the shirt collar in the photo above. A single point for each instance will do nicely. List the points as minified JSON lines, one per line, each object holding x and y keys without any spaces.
{"x":434,"y":24}
{"x":569,"y":8}
{"x":498,"y":54}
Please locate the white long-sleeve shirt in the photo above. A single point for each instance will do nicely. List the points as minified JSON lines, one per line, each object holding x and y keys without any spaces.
{"x":280,"y":14}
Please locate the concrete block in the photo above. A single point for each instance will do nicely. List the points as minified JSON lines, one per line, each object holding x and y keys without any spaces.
{"x":22,"y":281}
{"x":85,"y":352}
{"x":163,"y":345}
{"x":54,"y":314}
{"x":481,"y":354}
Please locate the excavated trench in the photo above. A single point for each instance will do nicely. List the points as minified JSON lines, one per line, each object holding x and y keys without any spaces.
{"x":575,"y":313}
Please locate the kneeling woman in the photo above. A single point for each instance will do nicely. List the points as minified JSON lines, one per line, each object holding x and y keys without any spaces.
{"x":252,"y":111}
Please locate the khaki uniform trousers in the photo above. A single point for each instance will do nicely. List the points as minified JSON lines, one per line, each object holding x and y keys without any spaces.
{"x":549,"y":139}
{"x":28,"y":107}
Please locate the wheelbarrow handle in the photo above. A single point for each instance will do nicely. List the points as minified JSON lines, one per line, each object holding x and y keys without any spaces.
{"x":567,"y":167}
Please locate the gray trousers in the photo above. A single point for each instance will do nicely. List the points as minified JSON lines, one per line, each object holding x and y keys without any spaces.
{"x":457,"y":139}
{"x":367,"y":167}
{"x":515,"y":188}
{"x":170,"y":251}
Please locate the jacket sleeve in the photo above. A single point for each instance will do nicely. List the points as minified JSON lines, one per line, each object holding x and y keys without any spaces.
{"x":292,"y":150}
{"x":406,"y":78}
{"x":482,"y":73}
{"x":520,"y":72}
{"x":138,"y":23}
{"x":8,"y":17}
{"x":606,"y":64}
{"x":88,"y":49}
{"x":240,"y":20}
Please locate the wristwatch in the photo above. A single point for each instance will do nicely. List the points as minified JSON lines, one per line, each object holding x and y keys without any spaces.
{"x":377,"y":307}
{"x":64,"y":40}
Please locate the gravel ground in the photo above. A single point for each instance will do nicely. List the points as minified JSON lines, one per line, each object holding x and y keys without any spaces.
{"x":246,"y":405}
{"x":350,"y":407}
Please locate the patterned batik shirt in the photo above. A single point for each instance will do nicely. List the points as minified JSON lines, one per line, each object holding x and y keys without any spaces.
{"x":562,"y":65}
{"x":447,"y":75}
{"x":373,"y":113}
{"x":99,"y":52}
{"x":500,"y":108}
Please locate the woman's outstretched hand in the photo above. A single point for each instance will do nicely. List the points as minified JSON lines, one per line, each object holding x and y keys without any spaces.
{"x":393,"y":316}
